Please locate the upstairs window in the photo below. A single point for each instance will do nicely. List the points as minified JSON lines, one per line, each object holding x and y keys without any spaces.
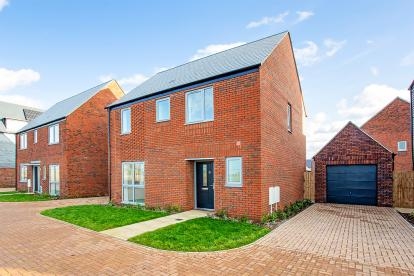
{"x":289,"y":117}
{"x":23,"y":141}
{"x":199,"y":105}
{"x":35,"y":136}
{"x":163,"y":109}
{"x":402,"y":145}
{"x":126,"y":121}
{"x":54,"y":134}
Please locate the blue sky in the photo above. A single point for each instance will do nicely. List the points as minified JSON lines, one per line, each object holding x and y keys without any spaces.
{"x":353,"y":58}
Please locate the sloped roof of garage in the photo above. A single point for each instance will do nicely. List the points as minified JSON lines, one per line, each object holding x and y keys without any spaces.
{"x":353,"y":126}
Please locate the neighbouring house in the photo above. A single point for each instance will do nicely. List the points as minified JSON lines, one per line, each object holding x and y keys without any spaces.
{"x":215,"y":133}
{"x":354,"y":168}
{"x":64,"y":151}
{"x":411,"y":89}
{"x":392,"y":128}
{"x":12,"y":118}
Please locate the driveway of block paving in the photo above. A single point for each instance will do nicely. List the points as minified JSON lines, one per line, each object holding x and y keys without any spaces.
{"x":324,"y":239}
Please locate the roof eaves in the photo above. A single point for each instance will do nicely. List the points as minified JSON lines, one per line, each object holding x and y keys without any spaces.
{"x":185,"y":86}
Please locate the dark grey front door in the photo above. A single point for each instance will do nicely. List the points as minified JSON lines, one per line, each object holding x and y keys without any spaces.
{"x":36,"y":179}
{"x":205,"y":185}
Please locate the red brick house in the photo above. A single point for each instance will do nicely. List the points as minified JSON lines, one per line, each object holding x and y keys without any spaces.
{"x":353,"y":168}
{"x":64,"y":151}
{"x":214,"y":133}
{"x":392,"y":128}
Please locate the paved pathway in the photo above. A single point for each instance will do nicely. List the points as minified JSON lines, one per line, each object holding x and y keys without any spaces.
{"x":324,"y":239}
{"x":132,"y":230}
{"x":7,"y":190}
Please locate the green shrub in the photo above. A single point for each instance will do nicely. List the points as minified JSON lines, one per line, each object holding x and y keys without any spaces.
{"x":222,"y":213}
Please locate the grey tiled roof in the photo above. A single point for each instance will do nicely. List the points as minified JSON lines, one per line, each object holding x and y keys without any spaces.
{"x":30,"y":114}
{"x":17,"y":112}
{"x":232,"y":60}
{"x":63,"y":108}
{"x":7,"y":152}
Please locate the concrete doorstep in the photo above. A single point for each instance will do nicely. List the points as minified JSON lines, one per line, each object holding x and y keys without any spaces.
{"x":132,"y":230}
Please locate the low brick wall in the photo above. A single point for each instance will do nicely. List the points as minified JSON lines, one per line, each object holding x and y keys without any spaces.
{"x":7,"y":177}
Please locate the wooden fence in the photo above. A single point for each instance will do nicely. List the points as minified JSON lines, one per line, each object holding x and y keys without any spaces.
{"x":403,"y":188}
{"x":309,"y":186}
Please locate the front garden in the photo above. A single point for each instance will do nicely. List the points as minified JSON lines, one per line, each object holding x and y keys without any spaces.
{"x":103,"y":217}
{"x":23,"y":197}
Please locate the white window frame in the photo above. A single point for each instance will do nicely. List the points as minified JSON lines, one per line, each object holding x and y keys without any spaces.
{"x":133,"y":185}
{"x":52,"y":168}
{"x":232,"y":183}
{"x":23,"y":171}
{"x":157,"y":108}
{"x":35,"y":136}
{"x":53,"y":140}
{"x":23,"y":140}
{"x":202,"y":90}
{"x":122,"y":121}
{"x":289,"y":117}
{"x":399,"y":143}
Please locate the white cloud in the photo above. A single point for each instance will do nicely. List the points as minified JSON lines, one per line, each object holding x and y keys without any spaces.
{"x":333,"y":46}
{"x":320,"y":129}
{"x":280,"y":18}
{"x":307,"y":55}
{"x":303,"y":15}
{"x":127,"y":83}
{"x":214,"y":48}
{"x":10,"y":79}
{"x":369,"y":41}
{"x":408,"y":60}
{"x":3,"y":4}
{"x":374,"y":71}
{"x":23,"y":100}
{"x":371,"y":100}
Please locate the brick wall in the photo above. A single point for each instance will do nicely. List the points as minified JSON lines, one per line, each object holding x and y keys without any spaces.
{"x":165,"y":146}
{"x":390,"y":125}
{"x":283,"y":152}
{"x":351,"y":146}
{"x":7,"y":177}
{"x":87,"y":146}
{"x":237,"y":131}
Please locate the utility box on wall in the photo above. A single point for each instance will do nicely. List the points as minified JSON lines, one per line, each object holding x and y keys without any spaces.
{"x":274,"y":195}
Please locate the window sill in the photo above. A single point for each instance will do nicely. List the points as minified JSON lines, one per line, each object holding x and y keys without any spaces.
{"x":23,"y":181}
{"x":162,"y":121}
{"x":233,"y":185}
{"x":198,"y":122}
{"x":126,"y":133}
{"x":51,"y":144}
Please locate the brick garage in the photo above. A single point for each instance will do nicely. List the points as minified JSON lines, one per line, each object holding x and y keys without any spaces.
{"x":250,"y":121}
{"x":352,"y":146}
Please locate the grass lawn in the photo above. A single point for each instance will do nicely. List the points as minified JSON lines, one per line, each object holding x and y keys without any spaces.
{"x":202,"y":234}
{"x":102,"y":217}
{"x":19,"y":197}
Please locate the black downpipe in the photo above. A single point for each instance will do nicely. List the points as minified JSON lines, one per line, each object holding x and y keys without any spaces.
{"x":412,"y":123}
{"x":109,"y":155}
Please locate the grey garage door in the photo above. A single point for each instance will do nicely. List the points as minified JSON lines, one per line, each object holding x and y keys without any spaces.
{"x":352,"y":184}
